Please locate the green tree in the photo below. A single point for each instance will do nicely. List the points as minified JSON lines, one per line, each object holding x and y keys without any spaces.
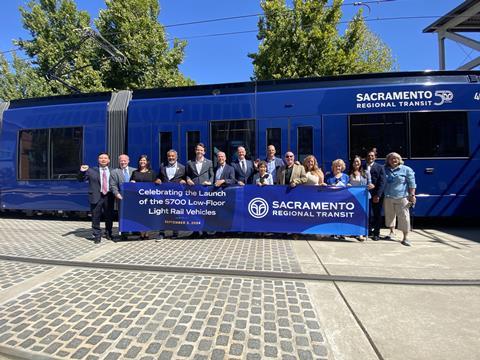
{"x":133,"y":28}
{"x":56,"y":30}
{"x":59,"y":46}
{"x":20,"y":80}
{"x":304,"y":41}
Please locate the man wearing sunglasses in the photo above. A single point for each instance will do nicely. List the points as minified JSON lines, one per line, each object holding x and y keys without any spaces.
{"x":291,"y":173}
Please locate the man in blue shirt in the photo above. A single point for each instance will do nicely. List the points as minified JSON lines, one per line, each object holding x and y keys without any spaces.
{"x":273,"y":163}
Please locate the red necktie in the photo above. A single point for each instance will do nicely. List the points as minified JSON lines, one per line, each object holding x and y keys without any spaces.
{"x":104,"y":182}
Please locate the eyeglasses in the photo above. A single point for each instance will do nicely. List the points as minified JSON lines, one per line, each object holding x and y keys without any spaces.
{"x":288,"y":156}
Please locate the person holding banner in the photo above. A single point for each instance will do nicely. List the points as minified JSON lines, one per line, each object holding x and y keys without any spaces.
{"x":144,"y":173}
{"x":172,"y":171}
{"x":399,"y":196}
{"x":224,"y":173}
{"x":200,"y":170}
{"x":359,"y":177}
{"x":262,"y":178}
{"x":244,"y":168}
{"x":337,"y":177}
{"x":292,"y":174}
{"x":357,"y":174}
{"x":99,"y":195}
{"x":313,"y":172}
{"x":273,"y":163}
{"x":119,"y":176}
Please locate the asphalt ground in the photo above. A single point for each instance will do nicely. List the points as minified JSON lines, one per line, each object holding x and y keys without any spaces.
{"x":229,"y":297}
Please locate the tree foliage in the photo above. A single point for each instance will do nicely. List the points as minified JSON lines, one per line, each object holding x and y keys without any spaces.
{"x":132,"y":27}
{"x":55,"y":27}
{"x":59,"y":47}
{"x":304,"y":41}
{"x":21,"y":80}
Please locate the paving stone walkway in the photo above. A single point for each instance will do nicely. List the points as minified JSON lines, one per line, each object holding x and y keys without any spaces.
{"x":231,"y":253}
{"x":88,"y":313}
{"x":12,"y":273}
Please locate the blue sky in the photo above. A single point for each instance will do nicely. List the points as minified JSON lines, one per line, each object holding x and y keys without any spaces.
{"x":219,"y":59}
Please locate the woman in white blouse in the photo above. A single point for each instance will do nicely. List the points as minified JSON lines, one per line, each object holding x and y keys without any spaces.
{"x":314,"y":173}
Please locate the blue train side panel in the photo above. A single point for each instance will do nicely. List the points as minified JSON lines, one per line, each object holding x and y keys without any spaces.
{"x":451,"y":189}
{"x":446,"y":186}
{"x":148,"y":117}
{"x":67,"y":195}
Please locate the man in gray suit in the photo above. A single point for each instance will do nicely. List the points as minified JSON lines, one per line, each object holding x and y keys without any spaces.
{"x":119,"y":176}
{"x":200,"y":170}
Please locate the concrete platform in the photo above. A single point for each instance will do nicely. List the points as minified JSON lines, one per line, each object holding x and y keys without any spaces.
{"x":61,"y":296}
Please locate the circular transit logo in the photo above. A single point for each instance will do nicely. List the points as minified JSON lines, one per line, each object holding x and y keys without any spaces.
{"x":258,"y":208}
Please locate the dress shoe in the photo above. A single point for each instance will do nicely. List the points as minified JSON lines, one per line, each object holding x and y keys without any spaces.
{"x":124,"y":237}
{"x":96,"y":240}
{"x":375,"y":237}
{"x":108,"y":236}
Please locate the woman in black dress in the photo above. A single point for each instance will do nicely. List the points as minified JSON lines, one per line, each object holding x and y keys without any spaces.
{"x":144,"y":173}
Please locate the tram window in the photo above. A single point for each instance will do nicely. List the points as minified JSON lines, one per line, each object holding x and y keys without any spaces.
{"x":165,"y":144}
{"x":193,"y":138}
{"x":66,"y":152}
{"x":439,"y":134}
{"x":227,"y":136}
{"x":304,"y":142}
{"x":274,"y":137}
{"x":385,"y":132}
{"x":33,"y":154}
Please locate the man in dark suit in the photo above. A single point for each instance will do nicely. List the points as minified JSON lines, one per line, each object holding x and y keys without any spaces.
{"x":224,"y":173}
{"x":172,"y":171}
{"x":244,"y":169}
{"x":99,"y":195}
{"x":377,"y":173}
{"x":200,"y":170}
{"x":119,"y":176}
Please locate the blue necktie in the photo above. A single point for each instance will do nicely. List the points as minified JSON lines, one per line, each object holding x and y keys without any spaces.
{"x":125,"y":174}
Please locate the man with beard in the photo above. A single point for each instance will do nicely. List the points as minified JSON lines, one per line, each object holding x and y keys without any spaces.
{"x":171,"y":172}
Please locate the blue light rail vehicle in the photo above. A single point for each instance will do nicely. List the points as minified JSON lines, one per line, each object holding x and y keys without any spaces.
{"x":431,"y":118}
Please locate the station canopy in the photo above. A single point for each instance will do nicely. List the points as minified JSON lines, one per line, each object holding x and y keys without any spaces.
{"x":465,"y":18}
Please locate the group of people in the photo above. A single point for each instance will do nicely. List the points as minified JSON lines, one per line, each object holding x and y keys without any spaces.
{"x":391,"y":186}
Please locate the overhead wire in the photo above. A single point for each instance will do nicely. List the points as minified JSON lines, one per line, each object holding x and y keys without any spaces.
{"x":356,"y":3}
{"x":397,"y":18}
{"x":340,"y":22}
{"x":232,"y":33}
